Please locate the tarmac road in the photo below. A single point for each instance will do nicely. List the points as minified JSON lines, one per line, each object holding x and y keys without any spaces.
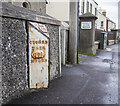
{"x":93,"y":81}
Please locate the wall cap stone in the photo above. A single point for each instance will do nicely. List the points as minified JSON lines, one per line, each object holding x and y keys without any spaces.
{"x":88,"y":15}
{"x":11,"y":11}
{"x":64,"y":25}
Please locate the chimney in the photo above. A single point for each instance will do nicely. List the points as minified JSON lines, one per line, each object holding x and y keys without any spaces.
{"x":104,"y":13}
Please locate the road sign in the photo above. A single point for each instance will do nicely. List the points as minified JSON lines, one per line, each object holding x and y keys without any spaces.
{"x":86,"y":25}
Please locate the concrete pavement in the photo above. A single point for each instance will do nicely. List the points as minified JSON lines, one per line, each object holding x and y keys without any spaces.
{"x":93,"y":81}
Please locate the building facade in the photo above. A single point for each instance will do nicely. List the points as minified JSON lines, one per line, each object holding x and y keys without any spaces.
{"x":31,"y":4}
{"x":58,"y":10}
{"x":67,"y":11}
{"x":111,"y":25}
{"x":61,"y":10}
{"x":88,"y":6}
{"x":103,"y":22}
{"x":102,"y":19}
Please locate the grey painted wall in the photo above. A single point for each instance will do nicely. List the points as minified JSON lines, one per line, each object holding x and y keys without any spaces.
{"x":14,"y":49}
{"x":87,"y":36}
{"x":112,"y":35}
{"x":98,"y":34}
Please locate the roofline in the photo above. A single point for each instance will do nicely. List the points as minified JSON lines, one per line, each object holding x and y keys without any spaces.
{"x":107,"y":18}
{"x":110,"y":20}
{"x":9,"y":11}
{"x":103,"y":15}
{"x":95,"y":2}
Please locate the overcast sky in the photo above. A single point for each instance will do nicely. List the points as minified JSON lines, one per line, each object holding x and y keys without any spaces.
{"x":111,"y":7}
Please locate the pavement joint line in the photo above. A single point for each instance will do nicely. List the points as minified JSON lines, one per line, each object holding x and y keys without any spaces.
{"x":78,"y":94}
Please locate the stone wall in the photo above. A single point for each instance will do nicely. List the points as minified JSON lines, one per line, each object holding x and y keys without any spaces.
{"x":98,"y":34}
{"x":14,"y":59}
{"x":110,"y":36}
{"x":86,"y":35}
{"x":54,"y":51}
{"x":0,"y":60}
{"x":115,"y":33}
{"x":14,"y":49}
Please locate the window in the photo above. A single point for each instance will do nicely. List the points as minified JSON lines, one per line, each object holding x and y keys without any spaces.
{"x":95,"y":11}
{"x":26,"y":4}
{"x":83,"y":7}
{"x":90,"y":7}
{"x":87,"y":6}
{"x":102,"y":23}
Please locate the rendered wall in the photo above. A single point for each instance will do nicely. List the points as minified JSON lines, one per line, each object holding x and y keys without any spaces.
{"x":14,"y":72}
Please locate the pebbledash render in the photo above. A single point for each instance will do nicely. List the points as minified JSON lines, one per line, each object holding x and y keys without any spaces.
{"x":15,"y":73}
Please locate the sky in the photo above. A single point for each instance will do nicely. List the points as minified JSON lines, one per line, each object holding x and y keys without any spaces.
{"x":111,"y":7}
